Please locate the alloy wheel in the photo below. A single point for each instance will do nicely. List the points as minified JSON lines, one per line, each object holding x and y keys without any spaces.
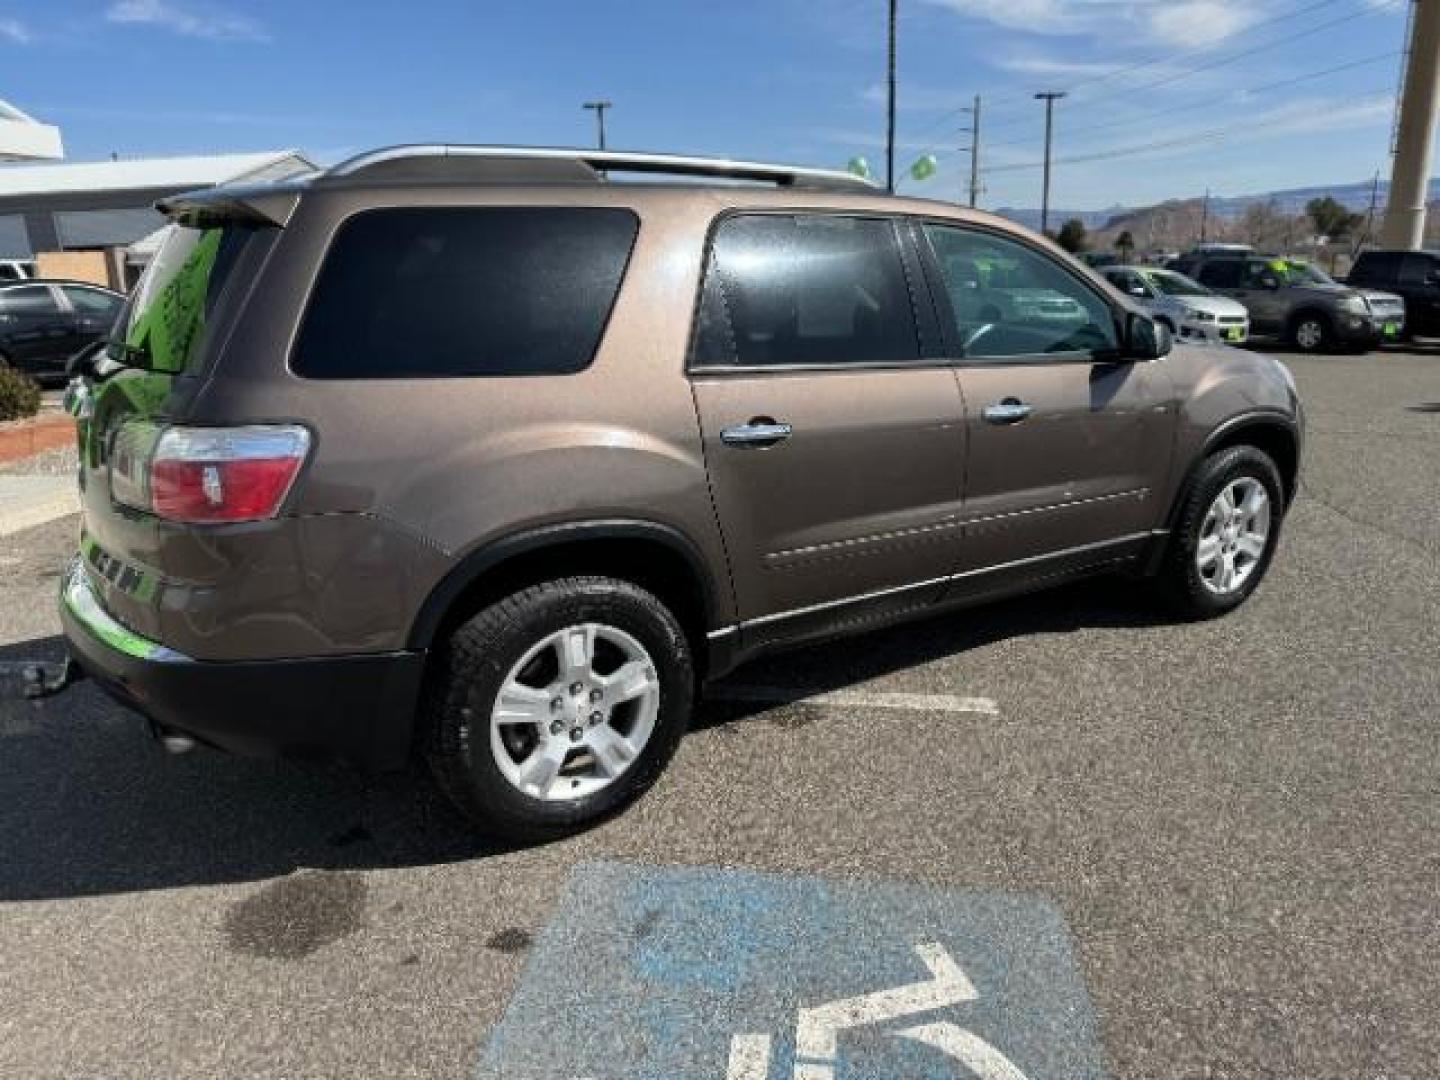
{"x":575,"y":712}
{"x":1234,"y":536}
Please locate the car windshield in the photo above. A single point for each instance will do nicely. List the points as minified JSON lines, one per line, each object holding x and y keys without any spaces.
{"x":1169,"y":283}
{"x":1302,"y":273}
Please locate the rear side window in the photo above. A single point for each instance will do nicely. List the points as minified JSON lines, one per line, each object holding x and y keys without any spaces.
{"x":458,"y":291}
{"x":30,"y":300}
{"x":1222,"y":275}
{"x":809,"y":289}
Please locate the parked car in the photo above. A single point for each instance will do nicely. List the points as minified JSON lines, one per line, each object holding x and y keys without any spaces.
{"x":1297,"y":302}
{"x":16,"y":269}
{"x":490,"y":456}
{"x":42,"y":323}
{"x":1187,"y":309}
{"x":1096,"y":259}
{"x":1413,"y":275}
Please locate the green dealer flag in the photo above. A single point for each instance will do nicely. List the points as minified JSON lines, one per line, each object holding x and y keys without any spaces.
{"x":924,"y":168}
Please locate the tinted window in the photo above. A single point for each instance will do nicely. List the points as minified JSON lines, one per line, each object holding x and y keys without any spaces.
{"x":805,"y":289}
{"x":461,"y":291}
{"x":1010,"y":300}
{"x":29,"y":300}
{"x":1377,"y":266}
{"x":91,"y":301}
{"x":1221,"y":275}
{"x":1415,"y":269}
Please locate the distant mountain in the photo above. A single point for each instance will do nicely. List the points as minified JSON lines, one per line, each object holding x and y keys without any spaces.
{"x":1290,"y":201}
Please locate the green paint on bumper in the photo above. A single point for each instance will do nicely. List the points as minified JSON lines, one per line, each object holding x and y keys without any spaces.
{"x":80,"y":600}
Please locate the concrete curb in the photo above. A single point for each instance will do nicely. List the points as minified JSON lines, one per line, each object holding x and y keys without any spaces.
{"x":25,"y":438}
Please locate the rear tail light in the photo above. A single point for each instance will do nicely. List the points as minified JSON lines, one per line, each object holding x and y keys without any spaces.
{"x":207,"y":475}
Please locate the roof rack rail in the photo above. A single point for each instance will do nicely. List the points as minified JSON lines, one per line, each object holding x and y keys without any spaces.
{"x":520,"y":164}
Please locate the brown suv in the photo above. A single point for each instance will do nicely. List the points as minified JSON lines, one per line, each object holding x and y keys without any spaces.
{"x":478,"y":453}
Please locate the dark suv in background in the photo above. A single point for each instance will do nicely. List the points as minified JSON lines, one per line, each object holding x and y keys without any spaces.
{"x":43,"y":323}
{"x":1299,"y":303}
{"x":1414,"y":275}
{"x":479,"y":453}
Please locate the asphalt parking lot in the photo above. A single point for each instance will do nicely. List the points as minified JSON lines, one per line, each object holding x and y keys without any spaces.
{"x":1237,"y":823}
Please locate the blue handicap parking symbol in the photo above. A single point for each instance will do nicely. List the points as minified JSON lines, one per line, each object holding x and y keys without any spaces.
{"x":682,"y":974}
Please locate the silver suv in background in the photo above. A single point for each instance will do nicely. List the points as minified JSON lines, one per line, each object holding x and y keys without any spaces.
{"x":1188,"y":309}
{"x":1299,"y":303}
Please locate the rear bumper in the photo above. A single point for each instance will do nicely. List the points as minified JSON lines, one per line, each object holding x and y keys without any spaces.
{"x":357,"y":707}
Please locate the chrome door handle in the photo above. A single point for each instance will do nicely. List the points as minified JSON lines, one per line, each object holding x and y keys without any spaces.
{"x":759,"y":432}
{"x":1010,"y":411}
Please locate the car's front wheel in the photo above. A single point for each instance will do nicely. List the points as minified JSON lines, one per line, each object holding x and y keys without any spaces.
{"x":557,"y":705}
{"x":1226,"y":533}
{"x":1312,"y":333}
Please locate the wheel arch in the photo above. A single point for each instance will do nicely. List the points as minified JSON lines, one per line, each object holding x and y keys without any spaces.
{"x":1273,"y":433}
{"x":657,"y":557}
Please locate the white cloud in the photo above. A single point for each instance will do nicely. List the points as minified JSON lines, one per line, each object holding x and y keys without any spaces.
{"x":210,"y":23}
{"x":1199,"y":24}
{"x":1040,"y":65}
{"x":1172,"y":23}
{"x":14,"y":31}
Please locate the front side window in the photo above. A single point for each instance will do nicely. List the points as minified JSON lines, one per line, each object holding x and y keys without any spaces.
{"x":1169,"y":283}
{"x":1416,"y":269}
{"x":811,"y":289}
{"x":1009,"y":300}
{"x":91,"y":301}
{"x":437,"y":292}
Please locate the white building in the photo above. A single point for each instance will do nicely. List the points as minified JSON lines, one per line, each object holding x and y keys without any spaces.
{"x":110,"y":204}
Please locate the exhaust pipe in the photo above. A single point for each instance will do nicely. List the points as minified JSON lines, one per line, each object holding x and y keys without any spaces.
{"x":173,"y":742}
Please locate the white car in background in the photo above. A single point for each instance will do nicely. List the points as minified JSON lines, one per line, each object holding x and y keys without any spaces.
{"x":1188,"y":309}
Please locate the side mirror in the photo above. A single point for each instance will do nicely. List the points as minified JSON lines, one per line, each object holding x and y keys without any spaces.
{"x":1145,"y":339}
{"x":82,"y":363}
{"x":1270,"y":281}
{"x":1432,"y":277}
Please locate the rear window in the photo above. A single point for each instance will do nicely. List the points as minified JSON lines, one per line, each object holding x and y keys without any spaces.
{"x":450,"y":292}
{"x":166,"y":316}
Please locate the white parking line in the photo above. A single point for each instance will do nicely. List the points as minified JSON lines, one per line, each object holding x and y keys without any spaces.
{"x":853,"y":699}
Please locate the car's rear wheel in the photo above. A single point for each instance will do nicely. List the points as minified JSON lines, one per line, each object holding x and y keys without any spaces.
{"x":558,"y":705}
{"x":1312,"y":333}
{"x":1226,"y":533}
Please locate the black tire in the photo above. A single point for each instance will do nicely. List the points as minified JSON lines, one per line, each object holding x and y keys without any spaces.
{"x":471,"y":666}
{"x":1180,"y":579}
{"x":1324,"y":332}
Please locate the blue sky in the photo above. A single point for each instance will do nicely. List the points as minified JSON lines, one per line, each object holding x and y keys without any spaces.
{"x":1212,"y":87}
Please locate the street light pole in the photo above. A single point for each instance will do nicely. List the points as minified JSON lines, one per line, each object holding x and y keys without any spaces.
{"x":890,"y":104}
{"x":1049,"y":97}
{"x":599,"y":107}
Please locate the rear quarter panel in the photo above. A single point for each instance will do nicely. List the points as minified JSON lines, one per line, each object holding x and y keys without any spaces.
{"x":446,"y":466}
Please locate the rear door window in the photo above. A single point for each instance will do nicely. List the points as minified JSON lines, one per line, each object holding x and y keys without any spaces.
{"x":808,"y":290}
{"x":459,"y":291}
{"x":30,"y":300}
{"x":1222,"y":275}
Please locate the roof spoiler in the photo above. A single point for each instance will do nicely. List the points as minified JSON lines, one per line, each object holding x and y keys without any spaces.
{"x":255,"y":204}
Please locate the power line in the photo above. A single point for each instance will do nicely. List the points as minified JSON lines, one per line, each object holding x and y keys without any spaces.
{"x":1147,"y":114}
{"x":1003,"y":101}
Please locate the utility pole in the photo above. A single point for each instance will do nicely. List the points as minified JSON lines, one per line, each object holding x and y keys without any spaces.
{"x":890,"y":103}
{"x":1049,"y":97}
{"x":975,"y":152}
{"x":1404,"y":225}
{"x":600,"y":107}
{"x":1205,"y":216}
{"x":1369,"y":214}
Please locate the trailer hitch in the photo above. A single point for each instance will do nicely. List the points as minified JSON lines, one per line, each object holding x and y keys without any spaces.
{"x":39,"y":684}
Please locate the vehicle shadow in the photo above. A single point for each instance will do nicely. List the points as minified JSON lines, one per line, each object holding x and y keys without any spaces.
{"x":92,"y":806}
{"x":842,"y":663}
